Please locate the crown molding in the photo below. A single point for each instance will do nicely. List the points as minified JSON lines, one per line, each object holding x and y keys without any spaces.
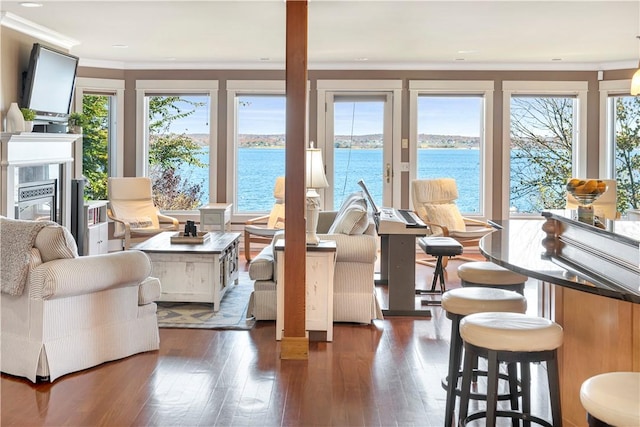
{"x":10,"y":20}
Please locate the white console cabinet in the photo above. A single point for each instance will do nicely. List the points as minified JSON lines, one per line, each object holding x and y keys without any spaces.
{"x":319,"y":283}
{"x":96,"y":235}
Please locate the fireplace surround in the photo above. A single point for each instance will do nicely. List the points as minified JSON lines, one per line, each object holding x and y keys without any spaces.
{"x":37,"y":169}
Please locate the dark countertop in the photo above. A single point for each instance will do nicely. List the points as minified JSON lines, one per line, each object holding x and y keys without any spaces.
{"x":518,"y":246}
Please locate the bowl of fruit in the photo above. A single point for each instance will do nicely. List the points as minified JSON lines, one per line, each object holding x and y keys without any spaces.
{"x":586,"y":191}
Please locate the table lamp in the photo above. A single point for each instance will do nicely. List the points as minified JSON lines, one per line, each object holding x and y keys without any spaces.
{"x":315,"y":179}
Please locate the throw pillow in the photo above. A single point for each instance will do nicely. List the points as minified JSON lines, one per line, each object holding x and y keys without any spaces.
{"x":446,"y":214}
{"x":353,"y":220}
{"x":56,"y":242}
{"x":140,"y":222}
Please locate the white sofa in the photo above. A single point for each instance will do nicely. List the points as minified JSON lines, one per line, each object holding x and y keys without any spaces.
{"x":354,"y":297}
{"x":71,"y":313}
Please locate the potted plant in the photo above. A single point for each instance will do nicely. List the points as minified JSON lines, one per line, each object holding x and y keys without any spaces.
{"x":76,"y":122}
{"x":29,"y":115}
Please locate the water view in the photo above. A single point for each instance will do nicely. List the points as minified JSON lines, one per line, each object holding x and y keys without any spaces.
{"x":259,"y":167}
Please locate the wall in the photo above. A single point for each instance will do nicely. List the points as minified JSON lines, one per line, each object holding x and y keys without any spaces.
{"x":15,"y":56}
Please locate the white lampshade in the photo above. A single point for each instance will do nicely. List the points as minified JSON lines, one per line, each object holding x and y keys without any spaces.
{"x":315,"y":177}
{"x":635,"y":83}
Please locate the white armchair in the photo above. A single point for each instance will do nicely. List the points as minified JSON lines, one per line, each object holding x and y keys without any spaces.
{"x":132,"y":209}
{"x":62,"y":313}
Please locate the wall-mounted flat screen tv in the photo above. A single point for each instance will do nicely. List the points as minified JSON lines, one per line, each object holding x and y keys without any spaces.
{"x":49,"y":83}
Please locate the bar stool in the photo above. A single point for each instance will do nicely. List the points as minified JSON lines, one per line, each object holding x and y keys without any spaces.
{"x":612,"y":399}
{"x":489,"y":274}
{"x":510,"y":337}
{"x":459,"y":303}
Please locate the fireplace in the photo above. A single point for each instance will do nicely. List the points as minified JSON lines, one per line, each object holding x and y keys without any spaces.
{"x":38,"y":201}
{"x":37,"y":169}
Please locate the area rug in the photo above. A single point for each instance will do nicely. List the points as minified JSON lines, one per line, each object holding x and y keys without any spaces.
{"x":232,"y":313}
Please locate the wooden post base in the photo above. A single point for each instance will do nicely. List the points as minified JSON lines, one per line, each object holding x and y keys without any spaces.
{"x":294,"y":348}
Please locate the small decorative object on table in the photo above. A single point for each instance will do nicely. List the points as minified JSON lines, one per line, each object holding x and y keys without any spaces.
{"x":586,"y":192}
{"x":190,"y":235}
{"x":29,"y":116}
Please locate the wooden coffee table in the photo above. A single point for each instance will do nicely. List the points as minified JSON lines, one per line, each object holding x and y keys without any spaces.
{"x":194,"y":272}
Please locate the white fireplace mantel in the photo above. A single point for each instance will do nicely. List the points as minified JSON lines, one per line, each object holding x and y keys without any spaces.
{"x":32,"y":149}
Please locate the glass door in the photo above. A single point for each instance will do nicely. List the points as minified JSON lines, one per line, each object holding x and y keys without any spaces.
{"x":358,"y":145}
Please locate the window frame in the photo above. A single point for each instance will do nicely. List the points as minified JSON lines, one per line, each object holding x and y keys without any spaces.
{"x":235,"y":88}
{"x":111,"y":87}
{"x":577,"y":89}
{"x":177,"y":87}
{"x":606,"y":148}
{"x":484,"y":88}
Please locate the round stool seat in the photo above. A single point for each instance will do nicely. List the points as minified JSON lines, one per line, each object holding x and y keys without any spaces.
{"x":510,"y":332}
{"x":465,"y":301}
{"x":613,"y":398}
{"x":488,"y":273}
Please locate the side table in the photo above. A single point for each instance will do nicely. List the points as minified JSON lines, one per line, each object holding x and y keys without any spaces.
{"x":218,"y":214}
{"x":320,"y":260}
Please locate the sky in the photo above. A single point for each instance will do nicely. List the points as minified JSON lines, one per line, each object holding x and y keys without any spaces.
{"x":266,"y":115}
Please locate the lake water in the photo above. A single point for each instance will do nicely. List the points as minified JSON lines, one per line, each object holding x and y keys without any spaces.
{"x":260,"y":167}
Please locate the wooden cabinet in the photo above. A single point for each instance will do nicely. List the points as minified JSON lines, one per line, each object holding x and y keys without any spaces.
{"x":319,"y":288}
{"x":96,"y":235}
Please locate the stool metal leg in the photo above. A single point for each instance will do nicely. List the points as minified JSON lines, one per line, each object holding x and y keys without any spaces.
{"x":465,"y":388}
{"x":525,"y":380}
{"x":492,"y":387}
{"x":554,"y":389}
{"x":512,"y":369}
{"x":455,"y":355}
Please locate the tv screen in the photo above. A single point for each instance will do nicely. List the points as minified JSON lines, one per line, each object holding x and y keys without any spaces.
{"x":49,"y":83}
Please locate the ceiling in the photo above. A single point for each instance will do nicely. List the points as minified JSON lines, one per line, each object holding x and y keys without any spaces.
{"x":360,"y":34}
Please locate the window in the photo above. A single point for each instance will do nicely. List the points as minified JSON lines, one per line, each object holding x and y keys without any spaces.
{"x":256,"y":125}
{"x":545,"y":143}
{"x":450,"y":137}
{"x":101,"y":102}
{"x":177,"y":144}
{"x":620,"y":144}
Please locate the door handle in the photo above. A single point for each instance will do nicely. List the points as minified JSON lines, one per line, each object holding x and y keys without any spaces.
{"x":388,"y":173}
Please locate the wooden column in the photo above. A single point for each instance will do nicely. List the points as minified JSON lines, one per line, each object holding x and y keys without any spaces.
{"x":295,"y":345}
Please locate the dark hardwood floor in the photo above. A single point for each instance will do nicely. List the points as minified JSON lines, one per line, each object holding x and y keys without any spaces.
{"x":384,"y":374}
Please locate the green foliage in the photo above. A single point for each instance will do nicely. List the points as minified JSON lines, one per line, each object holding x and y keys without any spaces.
{"x":95,"y":145}
{"x":78,"y":119}
{"x":168,"y":151}
{"x":627,"y":161}
{"x":28,"y":114}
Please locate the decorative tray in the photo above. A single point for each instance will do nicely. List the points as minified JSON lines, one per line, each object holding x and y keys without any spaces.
{"x":181,"y":238}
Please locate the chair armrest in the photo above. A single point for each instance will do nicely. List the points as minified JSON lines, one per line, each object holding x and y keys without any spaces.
{"x":125,"y":225}
{"x":476,"y":222}
{"x":165,"y":219}
{"x":354,"y":248}
{"x":443,"y":228}
{"x":84,"y":275}
{"x":258,"y":220}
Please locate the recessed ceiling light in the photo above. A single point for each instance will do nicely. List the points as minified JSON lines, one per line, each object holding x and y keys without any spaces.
{"x":362,"y":58}
{"x":556,"y":59}
{"x":265,"y":59}
{"x":170,"y":58}
{"x":459,"y":59}
{"x":466,"y":52}
{"x":119,"y":46}
{"x":30,"y":4}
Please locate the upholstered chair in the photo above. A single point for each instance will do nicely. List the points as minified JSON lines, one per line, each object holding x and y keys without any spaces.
{"x":263,"y":228}
{"x":132,"y":209}
{"x":434,"y":202}
{"x":62,"y":312}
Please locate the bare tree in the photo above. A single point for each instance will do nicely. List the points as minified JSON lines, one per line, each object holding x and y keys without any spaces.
{"x":627,"y":140}
{"x":541,"y":151}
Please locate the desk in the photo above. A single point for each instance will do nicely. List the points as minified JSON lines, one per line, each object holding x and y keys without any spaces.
{"x":593,"y":296}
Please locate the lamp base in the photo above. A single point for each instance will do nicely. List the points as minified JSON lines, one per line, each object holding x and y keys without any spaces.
{"x":313,"y":209}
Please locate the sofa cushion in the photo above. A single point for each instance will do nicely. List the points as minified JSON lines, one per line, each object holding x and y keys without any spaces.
{"x":352,"y":217}
{"x":56,"y":242}
{"x":261,"y":267}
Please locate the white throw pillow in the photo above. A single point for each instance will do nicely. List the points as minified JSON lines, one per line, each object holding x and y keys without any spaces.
{"x":56,"y":242}
{"x":352,"y":220}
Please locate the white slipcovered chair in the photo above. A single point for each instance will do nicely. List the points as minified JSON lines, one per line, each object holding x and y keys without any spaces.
{"x":263,"y":228}
{"x":63,"y":313}
{"x":434,"y":202}
{"x":132,"y":209}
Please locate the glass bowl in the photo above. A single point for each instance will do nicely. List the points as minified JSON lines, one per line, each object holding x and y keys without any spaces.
{"x":586,"y":191}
